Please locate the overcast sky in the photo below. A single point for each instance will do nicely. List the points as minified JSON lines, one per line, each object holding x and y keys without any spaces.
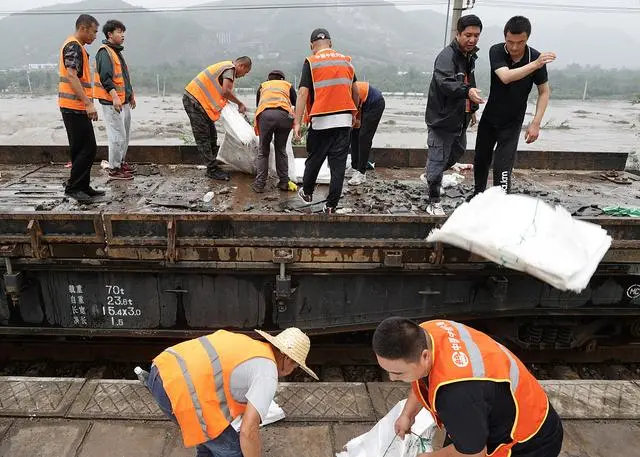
{"x":494,"y":14}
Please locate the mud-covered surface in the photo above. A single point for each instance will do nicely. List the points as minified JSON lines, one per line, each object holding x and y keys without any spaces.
{"x":176,"y":188}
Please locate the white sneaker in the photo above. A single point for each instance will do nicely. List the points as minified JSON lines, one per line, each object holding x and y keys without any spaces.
{"x":358,"y":178}
{"x":435,"y":209}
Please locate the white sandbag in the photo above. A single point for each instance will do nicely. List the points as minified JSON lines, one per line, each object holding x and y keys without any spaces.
{"x":526,"y":234}
{"x":381,"y":440}
{"x":274,"y":414}
{"x":240,"y":146}
{"x":236,"y":125}
{"x":324,"y":177}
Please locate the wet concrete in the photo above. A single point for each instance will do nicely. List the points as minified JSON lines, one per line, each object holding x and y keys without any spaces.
{"x":175,"y":188}
{"x":64,"y":438}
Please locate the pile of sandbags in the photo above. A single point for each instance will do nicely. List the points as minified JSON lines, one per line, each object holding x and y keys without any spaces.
{"x":526,"y":234}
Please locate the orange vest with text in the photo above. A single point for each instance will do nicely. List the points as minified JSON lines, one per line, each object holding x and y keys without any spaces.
{"x":207,"y":89}
{"x":118,"y":78}
{"x":196,"y":375}
{"x":332,"y":74}
{"x":273,"y":94}
{"x":461,"y":353}
{"x":66,"y":97}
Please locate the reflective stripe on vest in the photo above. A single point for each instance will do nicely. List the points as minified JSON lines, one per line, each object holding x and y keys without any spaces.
{"x":274,"y":94}
{"x":207,"y":89}
{"x":363,"y":91}
{"x":461,"y":353}
{"x":66,"y":97}
{"x":332,"y":74}
{"x":196,"y":376}
{"x":117,"y":78}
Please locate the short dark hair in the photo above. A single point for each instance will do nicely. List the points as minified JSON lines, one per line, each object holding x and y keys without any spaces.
{"x":86,"y":20}
{"x":111,"y":26}
{"x":246,"y":60}
{"x":470,"y":20}
{"x":518,"y":25}
{"x":399,"y":338}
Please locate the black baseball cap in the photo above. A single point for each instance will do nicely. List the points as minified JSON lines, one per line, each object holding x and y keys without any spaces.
{"x":320,"y":34}
{"x":279,"y":73}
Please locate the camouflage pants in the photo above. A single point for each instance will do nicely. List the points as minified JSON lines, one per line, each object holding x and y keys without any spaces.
{"x":204,"y":131}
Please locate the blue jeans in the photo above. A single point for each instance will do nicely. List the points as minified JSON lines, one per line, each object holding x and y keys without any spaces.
{"x":227,"y":444}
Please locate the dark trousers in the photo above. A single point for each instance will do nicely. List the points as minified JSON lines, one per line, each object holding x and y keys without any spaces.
{"x":204,"y":132}
{"x":275,"y":124}
{"x":546,"y":443}
{"x":227,"y":444}
{"x":82,"y":143}
{"x":505,"y":142}
{"x":445,"y":149}
{"x":333,"y":145}
{"x":362,"y":138}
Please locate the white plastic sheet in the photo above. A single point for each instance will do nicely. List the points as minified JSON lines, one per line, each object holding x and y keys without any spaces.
{"x":526,"y":234}
{"x":274,"y":415}
{"x":239,"y":148}
{"x":381,"y":440}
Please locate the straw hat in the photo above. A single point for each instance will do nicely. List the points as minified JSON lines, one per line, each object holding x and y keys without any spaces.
{"x":293,"y":343}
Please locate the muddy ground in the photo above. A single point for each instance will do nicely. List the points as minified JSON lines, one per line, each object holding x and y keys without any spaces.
{"x":175,"y":188}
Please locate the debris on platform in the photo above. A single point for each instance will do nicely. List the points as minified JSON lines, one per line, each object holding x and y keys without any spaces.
{"x":526,"y":234}
{"x":382,"y":440}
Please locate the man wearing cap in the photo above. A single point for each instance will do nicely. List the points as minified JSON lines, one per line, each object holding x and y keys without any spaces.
{"x":329,"y":95}
{"x":205,"y":383}
{"x":203,"y":100}
{"x":275,"y":100}
{"x":473,"y":386}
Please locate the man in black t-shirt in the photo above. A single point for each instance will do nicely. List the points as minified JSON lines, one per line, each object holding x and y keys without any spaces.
{"x":476,"y":389}
{"x":515,"y":67}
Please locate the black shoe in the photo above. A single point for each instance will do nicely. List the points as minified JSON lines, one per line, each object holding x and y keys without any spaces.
{"x":283,"y":185}
{"x":257,"y":189}
{"x":218,"y":174}
{"x":328,"y":210}
{"x":91,"y":192}
{"x":78,"y":195}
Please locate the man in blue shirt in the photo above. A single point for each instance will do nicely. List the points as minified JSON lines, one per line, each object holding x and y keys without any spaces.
{"x":369,"y":114}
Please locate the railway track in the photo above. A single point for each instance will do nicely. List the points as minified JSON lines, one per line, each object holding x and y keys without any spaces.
{"x":351,"y":361}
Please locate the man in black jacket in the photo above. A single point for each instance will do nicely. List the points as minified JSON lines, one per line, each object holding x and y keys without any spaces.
{"x":451,"y":106}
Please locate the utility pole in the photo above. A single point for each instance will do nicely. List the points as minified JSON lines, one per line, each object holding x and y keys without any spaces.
{"x":458,"y":7}
{"x":455,"y":15}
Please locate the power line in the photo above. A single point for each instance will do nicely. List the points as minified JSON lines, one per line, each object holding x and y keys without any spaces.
{"x":562,"y":6}
{"x":180,"y":9}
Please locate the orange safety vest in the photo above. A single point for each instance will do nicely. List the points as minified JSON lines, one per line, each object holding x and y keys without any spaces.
{"x":206,"y":88}
{"x":461,"y":353}
{"x":196,"y":375}
{"x":363,"y":91}
{"x":332,"y":74}
{"x":66,"y":97}
{"x":118,"y":78}
{"x":273,"y":94}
